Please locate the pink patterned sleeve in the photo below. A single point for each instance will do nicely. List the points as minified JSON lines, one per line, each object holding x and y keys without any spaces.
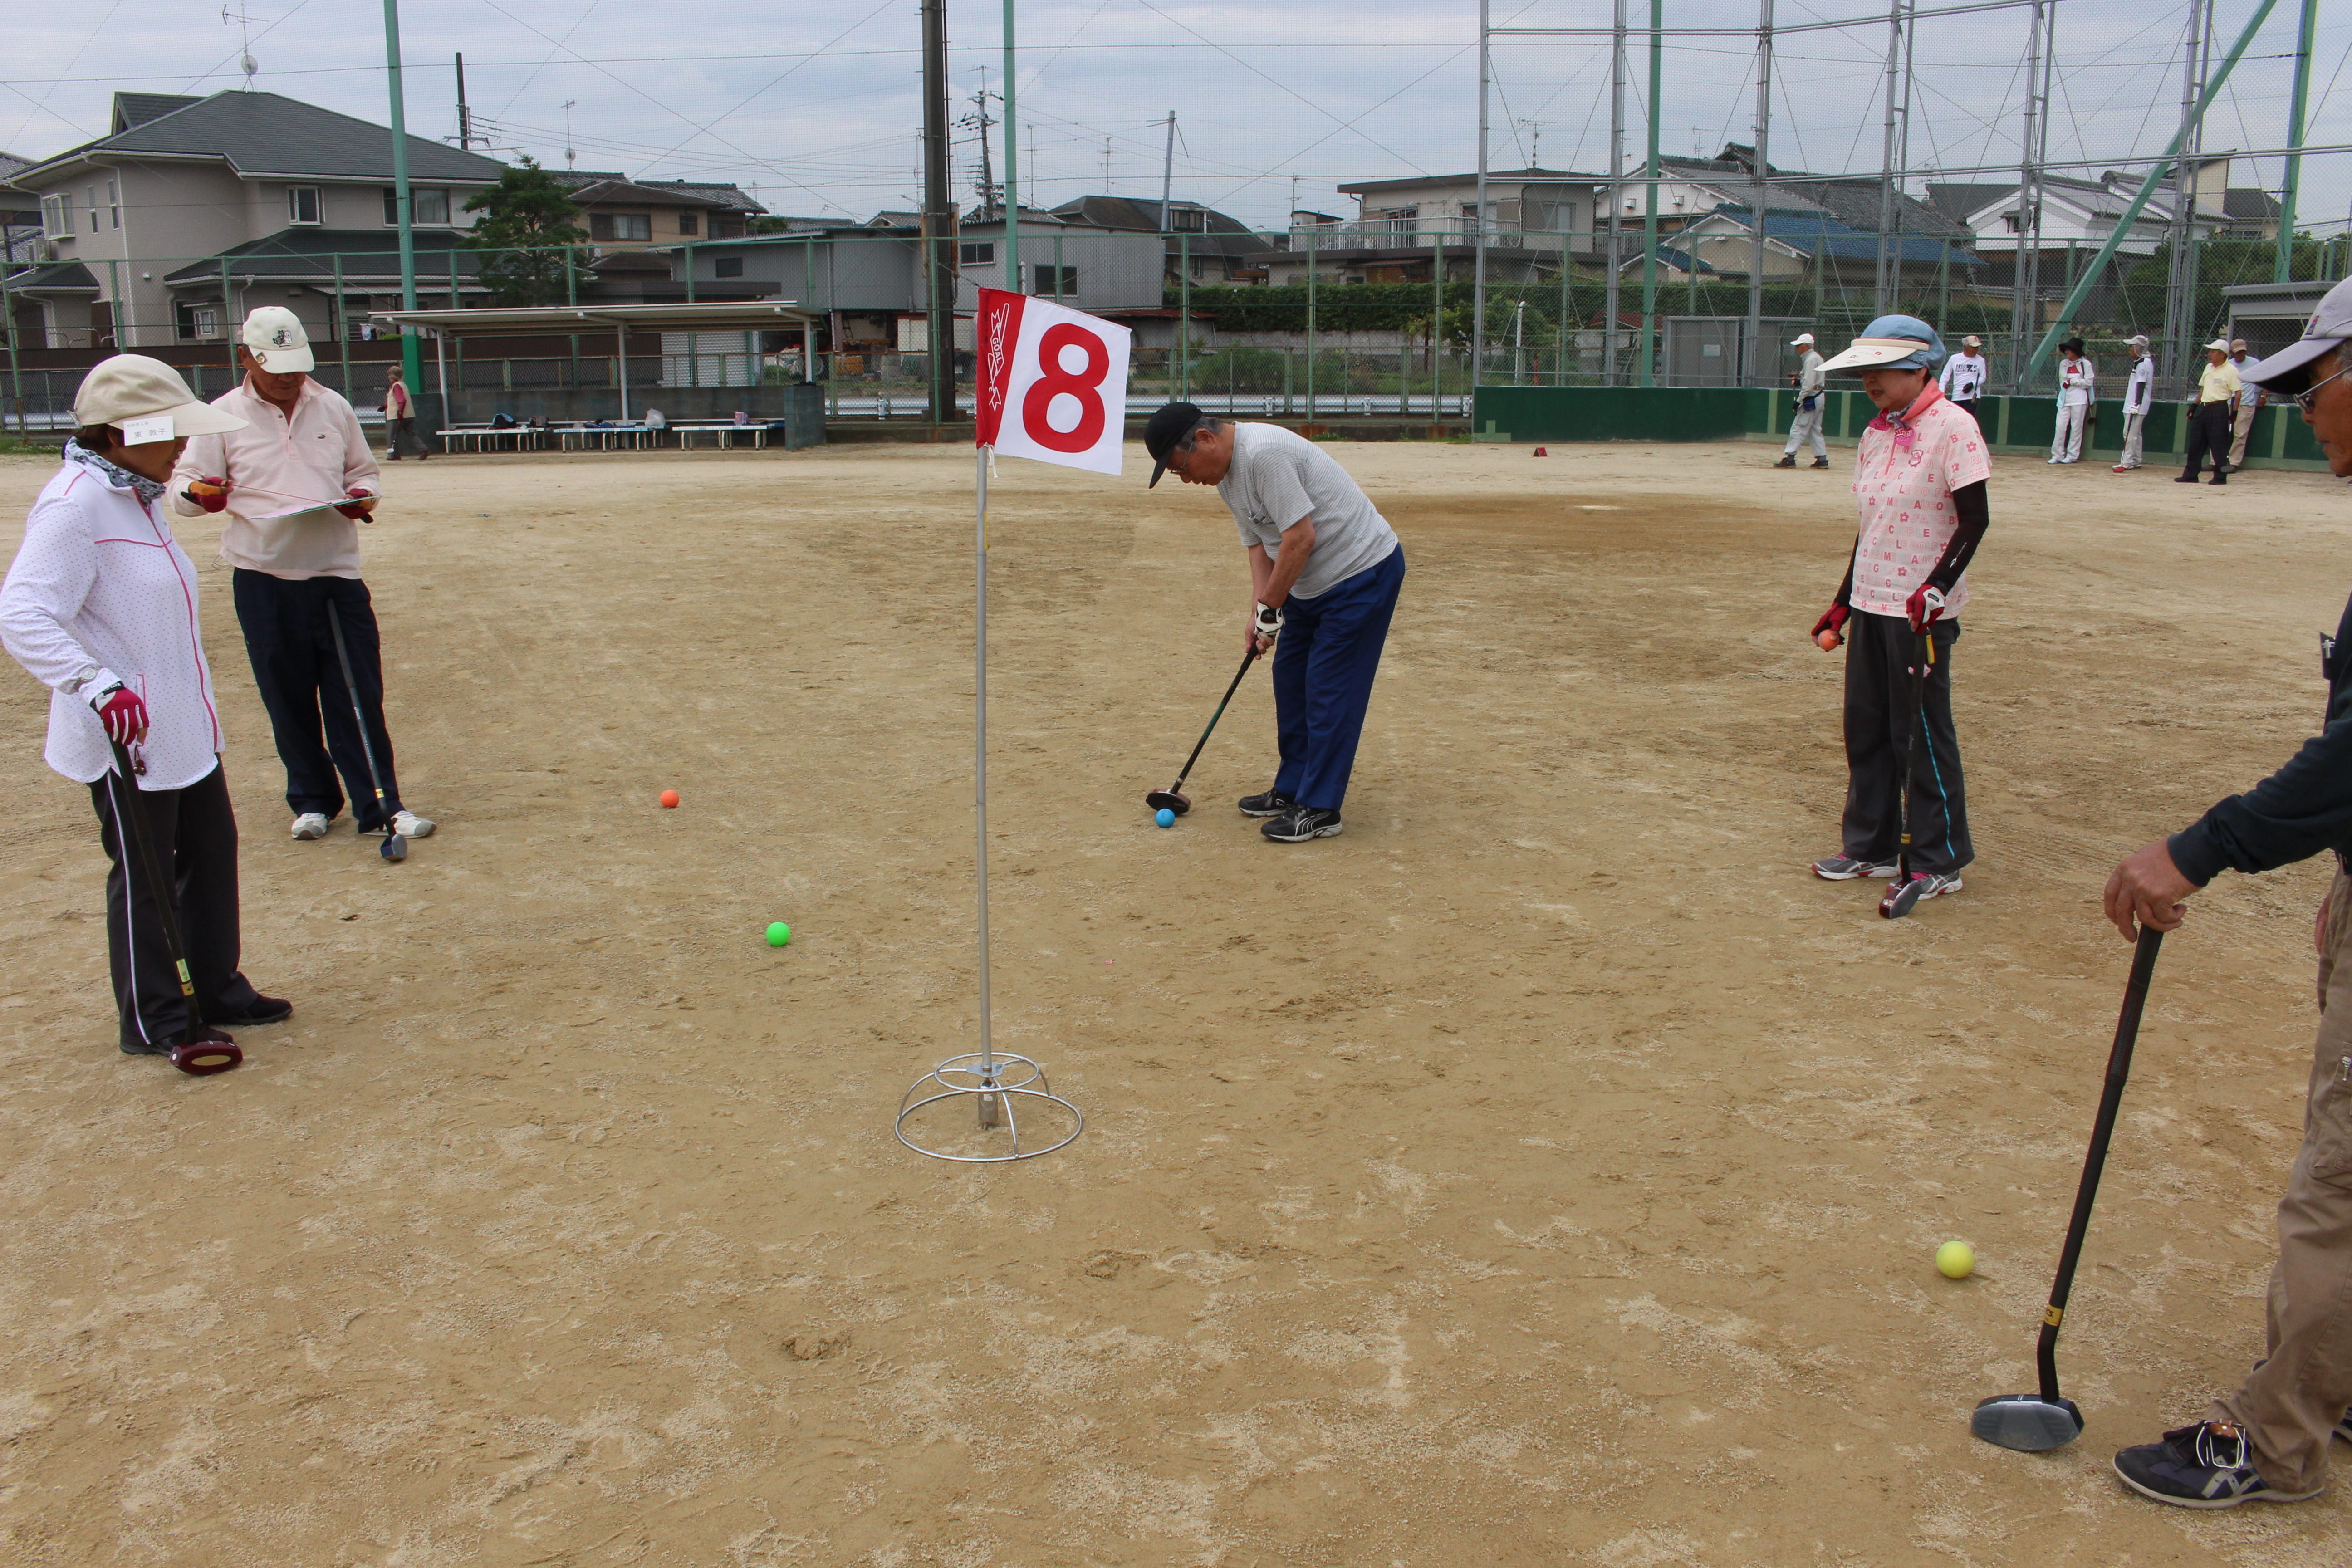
{"x":1966,"y":461}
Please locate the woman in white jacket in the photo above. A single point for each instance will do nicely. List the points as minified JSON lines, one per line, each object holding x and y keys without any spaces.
{"x":101,"y":607}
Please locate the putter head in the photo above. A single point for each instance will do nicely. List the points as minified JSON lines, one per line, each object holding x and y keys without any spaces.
{"x":1167,"y":800}
{"x":395,"y":848}
{"x":1900,"y":899}
{"x":2026,"y":1422}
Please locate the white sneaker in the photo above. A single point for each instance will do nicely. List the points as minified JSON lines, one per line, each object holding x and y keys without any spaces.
{"x":408,"y":824}
{"x":311,"y":825}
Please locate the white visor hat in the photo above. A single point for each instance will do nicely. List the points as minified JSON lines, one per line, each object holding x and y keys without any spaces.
{"x":1867,"y":354}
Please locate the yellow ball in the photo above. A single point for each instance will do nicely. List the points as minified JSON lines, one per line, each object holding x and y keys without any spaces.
{"x":1956,"y":1260}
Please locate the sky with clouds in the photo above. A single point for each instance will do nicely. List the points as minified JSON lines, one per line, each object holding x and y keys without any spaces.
{"x":817,"y":108}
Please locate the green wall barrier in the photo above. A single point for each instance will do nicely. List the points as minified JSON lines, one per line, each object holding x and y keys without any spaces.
{"x":2012,"y":424}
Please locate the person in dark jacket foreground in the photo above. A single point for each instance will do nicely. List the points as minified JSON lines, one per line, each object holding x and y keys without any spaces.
{"x":2268,"y":1441}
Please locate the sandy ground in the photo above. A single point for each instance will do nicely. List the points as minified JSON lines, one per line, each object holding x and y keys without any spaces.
{"x":1547,"y":1170}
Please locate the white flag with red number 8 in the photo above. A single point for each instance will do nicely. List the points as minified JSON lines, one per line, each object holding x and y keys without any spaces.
{"x":1053,"y":382}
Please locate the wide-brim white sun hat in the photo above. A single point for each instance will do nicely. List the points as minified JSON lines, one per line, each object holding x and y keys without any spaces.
{"x":131,"y":392}
{"x":1867,"y":354}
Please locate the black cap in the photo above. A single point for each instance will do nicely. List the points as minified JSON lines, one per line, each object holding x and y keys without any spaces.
{"x":2074,"y":343}
{"x":1163,"y":430}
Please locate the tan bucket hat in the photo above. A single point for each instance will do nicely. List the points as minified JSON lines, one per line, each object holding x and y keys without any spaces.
{"x":134,"y":392}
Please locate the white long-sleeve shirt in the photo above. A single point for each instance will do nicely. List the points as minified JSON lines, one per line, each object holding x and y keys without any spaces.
{"x":101,"y":592}
{"x":2141,"y":387}
{"x":1964,"y":377}
{"x":276,"y":464}
{"x":1811,"y":376}
{"x":2076,"y":380}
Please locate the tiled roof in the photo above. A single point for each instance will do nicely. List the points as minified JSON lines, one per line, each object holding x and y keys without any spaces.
{"x":314,"y":252}
{"x":138,"y":107}
{"x":264,"y":134}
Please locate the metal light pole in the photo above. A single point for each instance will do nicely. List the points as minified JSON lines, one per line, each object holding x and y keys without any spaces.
{"x":939,"y":216}
{"x":411,"y":359}
{"x":1650,"y":213}
{"x":1884,"y":290}
{"x":1750,"y":361}
{"x":2291,"y":186}
{"x":2019,"y":293}
{"x":1478,"y":240}
{"x":1012,"y":171}
{"x":1616,"y":196}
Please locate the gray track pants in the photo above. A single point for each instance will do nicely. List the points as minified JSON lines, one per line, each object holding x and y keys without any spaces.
{"x":1807,"y":425}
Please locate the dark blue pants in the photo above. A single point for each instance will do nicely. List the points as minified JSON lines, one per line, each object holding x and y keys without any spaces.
{"x":194,"y":832}
{"x":293,"y":652}
{"x":1323,"y":670}
{"x":1878,"y":727}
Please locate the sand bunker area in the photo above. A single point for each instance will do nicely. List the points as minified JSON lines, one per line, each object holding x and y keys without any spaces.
{"x":1546,"y":1171}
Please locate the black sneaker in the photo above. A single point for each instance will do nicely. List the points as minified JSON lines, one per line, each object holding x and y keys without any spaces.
{"x":1273,"y":803}
{"x":1821,"y":462}
{"x":265,"y":1010}
{"x":1787,"y":460}
{"x":2210,"y":1464}
{"x":1301,"y":822}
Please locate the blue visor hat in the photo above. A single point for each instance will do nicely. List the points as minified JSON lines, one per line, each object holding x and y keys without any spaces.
{"x":1892,"y":342}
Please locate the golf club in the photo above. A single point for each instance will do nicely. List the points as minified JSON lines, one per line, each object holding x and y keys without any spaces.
{"x":2033,"y":1423}
{"x":1173,"y":798}
{"x":395,"y":848}
{"x":195,"y":1057}
{"x":1903,"y":895}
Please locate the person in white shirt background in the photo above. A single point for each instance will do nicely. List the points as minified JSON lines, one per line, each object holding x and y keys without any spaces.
{"x":1806,"y":424}
{"x":1964,"y":377}
{"x":99,"y":606}
{"x":2137,"y":393}
{"x":2250,"y":398}
{"x":2076,"y":380}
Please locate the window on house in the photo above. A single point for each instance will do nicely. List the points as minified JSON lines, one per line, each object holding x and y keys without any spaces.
{"x":1056,"y":281}
{"x":978,"y":254}
{"x":1189,"y":220}
{"x":302,"y":204}
{"x":57,"y":217}
{"x":89,"y":201}
{"x":198,"y":323}
{"x":730,"y":266}
{"x":431,"y":205}
{"x":688,"y":222}
{"x":114,"y":203}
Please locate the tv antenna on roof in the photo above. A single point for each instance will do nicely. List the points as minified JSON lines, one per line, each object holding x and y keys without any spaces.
{"x":244,"y":43}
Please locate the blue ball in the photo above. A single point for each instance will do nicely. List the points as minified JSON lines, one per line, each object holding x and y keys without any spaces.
{"x":1165,"y":817}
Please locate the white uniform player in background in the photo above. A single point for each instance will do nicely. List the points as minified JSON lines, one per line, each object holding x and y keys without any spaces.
{"x":2250,"y":398}
{"x":1807,"y":425}
{"x":2138,"y":392}
{"x":2076,"y":380}
{"x":1964,"y":377}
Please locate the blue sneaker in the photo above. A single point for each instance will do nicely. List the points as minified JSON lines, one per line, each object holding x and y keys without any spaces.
{"x":2210,"y":1464}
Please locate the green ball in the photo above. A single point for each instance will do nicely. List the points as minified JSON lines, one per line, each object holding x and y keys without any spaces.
{"x":778,"y":933}
{"x":1956,"y":1260}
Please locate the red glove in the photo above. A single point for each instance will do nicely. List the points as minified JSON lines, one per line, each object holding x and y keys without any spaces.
{"x":1924,"y":607}
{"x":1832,"y":622}
{"x":357,"y":512}
{"x":122,"y":713}
{"x":210,"y":494}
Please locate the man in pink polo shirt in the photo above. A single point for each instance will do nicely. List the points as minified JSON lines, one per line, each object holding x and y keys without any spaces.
{"x":1919,"y":476}
{"x":295,"y":480}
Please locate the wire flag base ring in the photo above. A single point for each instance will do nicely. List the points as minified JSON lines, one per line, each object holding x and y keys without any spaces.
{"x":999,"y":1088}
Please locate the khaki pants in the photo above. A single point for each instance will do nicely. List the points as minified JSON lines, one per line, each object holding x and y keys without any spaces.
{"x":2290,"y":1403}
{"x":2242,"y":424}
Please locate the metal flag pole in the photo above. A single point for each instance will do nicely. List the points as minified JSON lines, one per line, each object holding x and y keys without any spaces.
{"x":988,"y":1102}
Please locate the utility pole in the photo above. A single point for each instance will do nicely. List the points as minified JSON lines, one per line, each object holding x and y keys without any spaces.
{"x":1886,"y":287}
{"x":2020,"y":290}
{"x":1754,"y":357}
{"x":1609,"y":304}
{"x":464,"y":115}
{"x":571,"y":155}
{"x":939,"y":216}
{"x":1649,"y":214}
{"x":412,"y":358}
{"x":1011,"y":173}
{"x":2180,"y":283}
{"x":982,"y":124}
{"x":1168,"y":173}
{"x":2292,"y":186}
{"x":1478,"y":239}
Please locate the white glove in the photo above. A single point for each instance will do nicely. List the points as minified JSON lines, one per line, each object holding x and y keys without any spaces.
{"x":1269,"y":622}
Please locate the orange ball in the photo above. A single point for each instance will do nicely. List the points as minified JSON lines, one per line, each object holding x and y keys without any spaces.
{"x":669,"y":799}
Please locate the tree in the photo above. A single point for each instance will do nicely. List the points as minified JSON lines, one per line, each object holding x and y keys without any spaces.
{"x":523,"y":237}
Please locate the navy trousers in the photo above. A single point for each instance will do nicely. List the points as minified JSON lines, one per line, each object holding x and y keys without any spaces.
{"x":194,"y":832}
{"x":293,"y":652}
{"x":1323,"y":670}
{"x":1878,"y":658}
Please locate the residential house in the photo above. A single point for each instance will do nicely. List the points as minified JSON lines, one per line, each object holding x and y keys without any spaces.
{"x":1211,"y":246}
{"x":620,"y":212}
{"x":188,"y":212}
{"x":2083,"y":213}
{"x":1801,"y":244}
{"x":1538,"y":220}
{"x":20,"y":214}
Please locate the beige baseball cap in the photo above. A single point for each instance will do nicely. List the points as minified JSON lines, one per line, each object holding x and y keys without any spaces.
{"x":1972,"y":342}
{"x":275,"y":335}
{"x":1803,"y":340}
{"x":146,"y":399}
{"x":2237,"y":345}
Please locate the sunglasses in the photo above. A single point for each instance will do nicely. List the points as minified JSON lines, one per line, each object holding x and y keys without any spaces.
{"x":2308,"y":398}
